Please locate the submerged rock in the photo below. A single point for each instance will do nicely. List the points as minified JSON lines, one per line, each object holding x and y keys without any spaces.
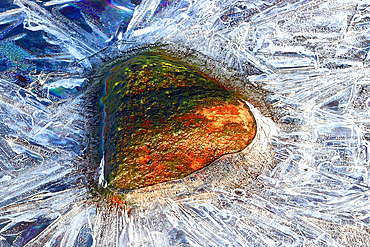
{"x":166,"y":119}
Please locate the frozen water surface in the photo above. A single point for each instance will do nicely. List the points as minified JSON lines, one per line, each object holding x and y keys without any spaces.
{"x":307,"y":181}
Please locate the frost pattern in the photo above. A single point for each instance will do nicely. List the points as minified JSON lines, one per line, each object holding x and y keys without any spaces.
{"x":312,"y":56}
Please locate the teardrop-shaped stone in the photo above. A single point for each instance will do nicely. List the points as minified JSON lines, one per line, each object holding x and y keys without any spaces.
{"x":166,"y":119}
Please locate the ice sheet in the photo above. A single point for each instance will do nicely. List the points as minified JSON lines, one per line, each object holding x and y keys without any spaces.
{"x":312,"y":58}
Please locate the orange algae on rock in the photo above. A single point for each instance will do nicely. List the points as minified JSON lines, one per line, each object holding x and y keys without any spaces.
{"x":165,"y":119}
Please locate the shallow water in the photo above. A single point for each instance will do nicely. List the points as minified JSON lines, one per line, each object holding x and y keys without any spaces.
{"x":303,"y":182}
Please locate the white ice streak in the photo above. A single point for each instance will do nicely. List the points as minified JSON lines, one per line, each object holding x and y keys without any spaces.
{"x":76,"y":41}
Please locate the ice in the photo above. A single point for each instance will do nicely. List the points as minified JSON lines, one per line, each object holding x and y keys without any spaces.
{"x":310,"y":56}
